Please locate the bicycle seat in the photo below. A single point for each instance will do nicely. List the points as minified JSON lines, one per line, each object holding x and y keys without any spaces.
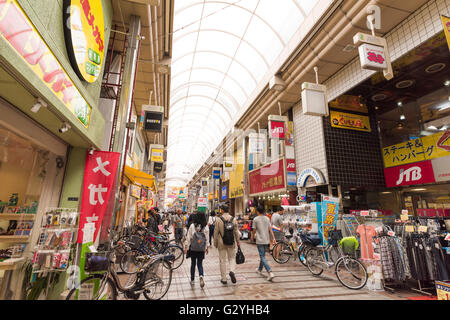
{"x":311,"y":239}
{"x":289,"y":236}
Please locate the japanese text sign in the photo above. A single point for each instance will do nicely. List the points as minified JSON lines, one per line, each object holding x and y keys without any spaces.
{"x":85,"y":36}
{"x":269,"y":178}
{"x":350,"y":121}
{"x":329,"y":212}
{"x":99,"y":174}
{"x":410,"y":174}
{"x":22,"y":36}
{"x":426,"y":148}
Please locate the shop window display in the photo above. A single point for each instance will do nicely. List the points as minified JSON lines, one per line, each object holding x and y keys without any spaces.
{"x":22,"y":172}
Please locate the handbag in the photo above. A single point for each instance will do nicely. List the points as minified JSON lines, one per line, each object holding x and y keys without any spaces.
{"x":240,"y":258}
{"x":188,"y":253}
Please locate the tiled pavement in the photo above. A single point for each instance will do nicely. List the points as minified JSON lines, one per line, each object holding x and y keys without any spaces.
{"x":292,"y":281}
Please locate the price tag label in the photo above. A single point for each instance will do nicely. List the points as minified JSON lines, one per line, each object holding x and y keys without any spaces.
{"x":92,"y":249}
{"x":423,"y":228}
{"x":379,"y":229}
{"x":391,"y":233}
{"x":404,"y":217}
{"x":405,"y":212}
{"x":447,"y":237}
{"x":409,"y":229}
{"x":364,"y":213}
{"x":376,"y":256}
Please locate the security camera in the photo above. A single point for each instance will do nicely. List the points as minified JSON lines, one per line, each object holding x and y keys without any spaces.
{"x":65,"y":127}
{"x":39,"y":103}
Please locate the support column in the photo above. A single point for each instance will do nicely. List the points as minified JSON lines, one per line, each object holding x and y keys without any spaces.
{"x":125,"y":102}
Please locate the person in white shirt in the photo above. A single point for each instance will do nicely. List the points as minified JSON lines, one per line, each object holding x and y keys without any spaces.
{"x":211,"y":223}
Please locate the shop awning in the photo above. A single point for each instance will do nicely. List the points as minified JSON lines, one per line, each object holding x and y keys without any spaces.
{"x":142,"y":178}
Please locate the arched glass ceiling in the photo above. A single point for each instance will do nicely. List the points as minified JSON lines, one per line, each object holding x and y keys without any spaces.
{"x":221,"y":51}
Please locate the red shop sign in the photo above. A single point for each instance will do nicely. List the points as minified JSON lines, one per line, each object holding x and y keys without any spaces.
{"x":277,"y":129}
{"x":290,"y":165}
{"x":99,"y":174}
{"x":409,"y":174}
{"x":268,"y":178}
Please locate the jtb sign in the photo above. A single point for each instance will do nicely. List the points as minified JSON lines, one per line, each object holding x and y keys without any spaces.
{"x":410,"y":174}
{"x":99,"y":174}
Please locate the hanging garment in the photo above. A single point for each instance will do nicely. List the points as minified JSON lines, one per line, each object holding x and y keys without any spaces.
{"x":439,"y":257}
{"x":366,"y":234}
{"x":404,"y":258}
{"x":386,"y":259}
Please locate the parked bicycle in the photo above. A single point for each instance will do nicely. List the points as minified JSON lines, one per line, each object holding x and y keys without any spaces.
{"x":132,"y":260}
{"x":153,"y":279}
{"x":350,"y":272}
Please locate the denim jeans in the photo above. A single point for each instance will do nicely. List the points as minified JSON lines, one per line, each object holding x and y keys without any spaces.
{"x":199,"y":263}
{"x":262,"y":256}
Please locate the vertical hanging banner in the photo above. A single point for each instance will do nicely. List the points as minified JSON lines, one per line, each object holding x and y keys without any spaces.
{"x":99,"y":174}
{"x":277,"y":127}
{"x":329,"y":216}
{"x":446,"y":23}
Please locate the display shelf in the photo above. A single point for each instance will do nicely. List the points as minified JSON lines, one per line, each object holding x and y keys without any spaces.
{"x":17,"y":216}
{"x":16,"y":239}
{"x":10,"y":264}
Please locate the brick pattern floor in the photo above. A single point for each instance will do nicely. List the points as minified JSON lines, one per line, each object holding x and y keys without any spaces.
{"x":292,"y":281}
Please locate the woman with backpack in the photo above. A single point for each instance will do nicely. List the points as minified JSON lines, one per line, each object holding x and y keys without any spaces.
{"x":211,"y":223}
{"x":226,"y":237}
{"x":196,"y":244}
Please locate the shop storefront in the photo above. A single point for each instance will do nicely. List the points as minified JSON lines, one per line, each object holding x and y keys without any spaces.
{"x":50,"y":119}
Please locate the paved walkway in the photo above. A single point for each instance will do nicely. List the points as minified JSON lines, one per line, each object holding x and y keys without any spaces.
{"x":292,"y":281}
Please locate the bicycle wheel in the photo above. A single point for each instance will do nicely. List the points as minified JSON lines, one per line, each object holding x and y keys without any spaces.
{"x":178,"y":252}
{"x":95,"y":287}
{"x":351,"y":273}
{"x":314,"y":261}
{"x":130,"y":262}
{"x":302,"y":251}
{"x":281,"y":252}
{"x":158,"y":278}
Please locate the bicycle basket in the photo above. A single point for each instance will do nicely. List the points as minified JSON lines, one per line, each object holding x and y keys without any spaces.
{"x":348,"y":247}
{"x":97,"y":261}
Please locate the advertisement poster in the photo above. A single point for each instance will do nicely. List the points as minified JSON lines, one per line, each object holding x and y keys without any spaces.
{"x":443,"y":290}
{"x":329,"y":215}
{"x":99,"y":174}
{"x":426,"y":148}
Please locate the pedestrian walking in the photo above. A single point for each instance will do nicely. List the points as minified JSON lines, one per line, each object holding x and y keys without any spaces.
{"x":262,"y":229}
{"x":211,"y":225}
{"x":226,"y":237}
{"x":178,"y":222}
{"x":152,"y":221}
{"x":196,"y":243}
{"x":277,"y":228}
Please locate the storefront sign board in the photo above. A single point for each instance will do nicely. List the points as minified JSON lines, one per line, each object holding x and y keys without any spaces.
{"x":84,"y":31}
{"x":18,"y":31}
{"x":216,"y":173}
{"x":289,"y":141}
{"x":316,"y":174}
{"x":135,"y":191}
{"x":256,"y":143}
{"x":426,"y":148}
{"x":443,"y":290}
{"x":156,"y":153}
{"x":291,"y":179}
{"x":277,"y":130}
{"x":290,"y":165}
{"x":268,"y":178}
{"x":202,"y":202}
{"x":350,"y":121}
{"x":99,"y":175}
{"x":410,"y":174}
{"x":350,"y":103}
{"x":446,"y":23}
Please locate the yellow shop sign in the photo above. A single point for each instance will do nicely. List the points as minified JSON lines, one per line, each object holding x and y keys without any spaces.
{"x":18,"y":31}
{"x":349,"y":121}
{"x":85,"y":36}
{"x":426,"y":148}
{"x":446,"y":23}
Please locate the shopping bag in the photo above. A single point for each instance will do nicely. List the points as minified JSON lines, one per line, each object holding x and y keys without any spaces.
{"x":240,"y":259}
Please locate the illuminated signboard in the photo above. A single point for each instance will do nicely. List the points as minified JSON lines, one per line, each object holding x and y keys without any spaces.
{"x":22,"y":36}
{"x":85,"y":36}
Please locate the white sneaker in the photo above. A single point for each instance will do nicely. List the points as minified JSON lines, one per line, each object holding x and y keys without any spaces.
{"x":259,"y":272}
{"x":271,"y":276}
{"x":192,"y":283}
